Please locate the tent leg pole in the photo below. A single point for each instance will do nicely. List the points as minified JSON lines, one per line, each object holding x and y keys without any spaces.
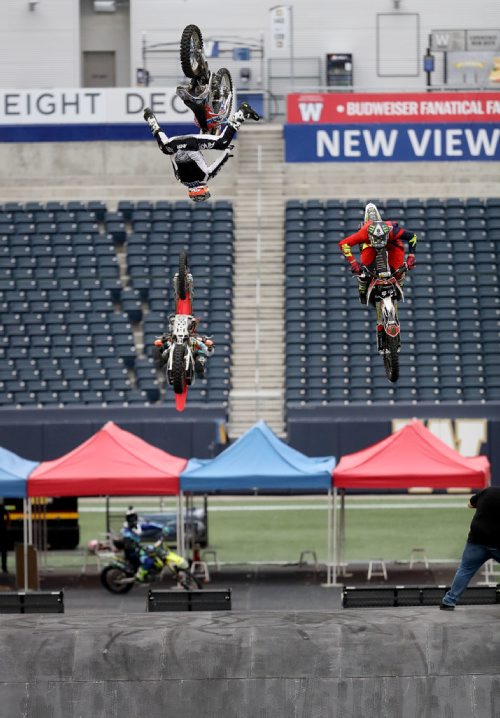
{"x":25,"y":542}
{"x":331,"y":575}
{"x":180,"y":526}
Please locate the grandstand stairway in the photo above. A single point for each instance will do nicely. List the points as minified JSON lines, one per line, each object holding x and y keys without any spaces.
{"x":258,"y":309}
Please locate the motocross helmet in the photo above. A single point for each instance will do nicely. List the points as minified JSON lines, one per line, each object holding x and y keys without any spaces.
{"x":199,"y":193}
{"x":371,"y":213}
{"x":131,"y":518}
{"x":378,"y":232}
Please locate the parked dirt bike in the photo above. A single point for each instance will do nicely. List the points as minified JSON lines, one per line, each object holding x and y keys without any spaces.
{"x":212,"y":91}
{"x":119,"y":575}
{"x":384,"y":292}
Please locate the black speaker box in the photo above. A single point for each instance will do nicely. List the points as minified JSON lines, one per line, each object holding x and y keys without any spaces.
{"x":211,"y":600}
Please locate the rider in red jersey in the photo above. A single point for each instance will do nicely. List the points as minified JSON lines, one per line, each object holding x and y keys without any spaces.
{"x":374,"y":226}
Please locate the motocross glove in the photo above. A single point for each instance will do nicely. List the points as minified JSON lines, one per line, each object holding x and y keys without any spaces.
{"x":355,"y":267}
{"x":151,"y":120}
{"x":410,"y":261}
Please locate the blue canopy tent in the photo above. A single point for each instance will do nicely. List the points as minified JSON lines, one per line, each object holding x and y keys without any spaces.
{"x":258,"y":462}
{"x":14,"y":472}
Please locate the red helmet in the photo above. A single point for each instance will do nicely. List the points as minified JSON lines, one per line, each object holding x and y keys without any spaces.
{"x":199,"y":193}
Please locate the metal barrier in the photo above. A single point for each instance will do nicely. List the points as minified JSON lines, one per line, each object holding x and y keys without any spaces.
{"x":212,"y":600}
{"x":398,"y":596}
{"x":32,"y":602}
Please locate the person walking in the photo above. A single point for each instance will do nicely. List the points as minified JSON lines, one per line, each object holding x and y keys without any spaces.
{"x":483,"y":543}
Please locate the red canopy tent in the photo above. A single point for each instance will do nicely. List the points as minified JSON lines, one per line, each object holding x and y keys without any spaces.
{"x":113,"y":462}
{"x":410,"y":458}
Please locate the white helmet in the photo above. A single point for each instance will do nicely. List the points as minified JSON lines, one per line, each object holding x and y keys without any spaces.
{"x":371,"y":213}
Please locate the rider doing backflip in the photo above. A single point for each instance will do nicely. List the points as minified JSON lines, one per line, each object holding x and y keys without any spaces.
{"x":189,"y":164}
{"x":202,"y":348}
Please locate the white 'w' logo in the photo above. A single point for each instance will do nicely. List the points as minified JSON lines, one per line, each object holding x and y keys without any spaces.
{"x":441,"y":40}
{"x":310,"y":111}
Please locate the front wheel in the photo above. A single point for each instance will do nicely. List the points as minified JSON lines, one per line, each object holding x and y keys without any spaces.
{"x":178,"y":369}
{"x":189,"y":581}
{"x":116,"y":580}
{"x":191,"y":51}
{"x":391,"y":358}
{"x":222,"y":91}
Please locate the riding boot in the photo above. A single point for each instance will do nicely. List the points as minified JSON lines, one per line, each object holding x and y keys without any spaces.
{"x":199,"y":366}
{"x":362,"y":289}
{"x":141,"y":575}
{"x":248,"y":112}
{"x":380,"y":338}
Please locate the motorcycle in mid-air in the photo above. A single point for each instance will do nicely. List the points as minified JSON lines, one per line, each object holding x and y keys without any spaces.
{"x":182,"y":324}
{"x":210,"y":95}
{"x":119,"y":576}
{"x":384,"y":292}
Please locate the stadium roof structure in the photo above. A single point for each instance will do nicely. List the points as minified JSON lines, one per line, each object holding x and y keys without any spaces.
{"x":258,"y":462}
{"x":411,"y":457}
{"x":14,"y":472}
{"x":112,"y":462}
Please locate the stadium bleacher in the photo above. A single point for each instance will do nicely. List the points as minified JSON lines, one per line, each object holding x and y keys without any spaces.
{"x":68,"y":315}
{"x":450,"y":319}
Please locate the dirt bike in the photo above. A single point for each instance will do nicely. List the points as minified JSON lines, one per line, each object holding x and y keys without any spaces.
{"x":210,"y":94}
{"x":180,"y":362}
{"x":120,"y":575}
{"x":384,"y":292}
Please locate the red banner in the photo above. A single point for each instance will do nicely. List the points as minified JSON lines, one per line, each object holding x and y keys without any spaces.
{"x":360,"y":108}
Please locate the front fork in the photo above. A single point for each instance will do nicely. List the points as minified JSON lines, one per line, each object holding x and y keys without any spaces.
{"x":387,"y":317}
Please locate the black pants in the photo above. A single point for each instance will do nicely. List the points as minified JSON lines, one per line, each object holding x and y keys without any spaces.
{"x":3,"y":551}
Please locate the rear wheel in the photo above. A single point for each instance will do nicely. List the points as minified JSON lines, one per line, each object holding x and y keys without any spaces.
{"x":222,"y":91}
{"x":178,"y":372}
{"x":182,"y":278}
{"x":112,"y":578}
{"x":189,"y":581}
{"x":192,"y":51}
{"x":391,"y":358}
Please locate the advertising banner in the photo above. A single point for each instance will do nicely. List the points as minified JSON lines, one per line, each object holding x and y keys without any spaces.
{"x":358,"y":127}
{"x":411,"y":107}
{"x":88,"y":113}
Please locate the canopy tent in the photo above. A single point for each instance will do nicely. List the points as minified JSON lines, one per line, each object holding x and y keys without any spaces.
{"x":258,"y":462}
{"x":410,"y":458}
{"x":14,"y":472}
{"x":112,"y":462}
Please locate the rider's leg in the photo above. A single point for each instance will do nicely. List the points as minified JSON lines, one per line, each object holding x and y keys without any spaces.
{"x":244,"y":112}
{"x":362,"y":287}
{"x":367,"y":257}
{"x":200,"y":362}
{"x":379,"y":328}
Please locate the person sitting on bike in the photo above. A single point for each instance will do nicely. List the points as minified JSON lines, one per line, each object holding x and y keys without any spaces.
{"x":375,"y":227}
{"x":202,"y":348}
{"x":131,"y":533}
{"x":188,"y":162}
